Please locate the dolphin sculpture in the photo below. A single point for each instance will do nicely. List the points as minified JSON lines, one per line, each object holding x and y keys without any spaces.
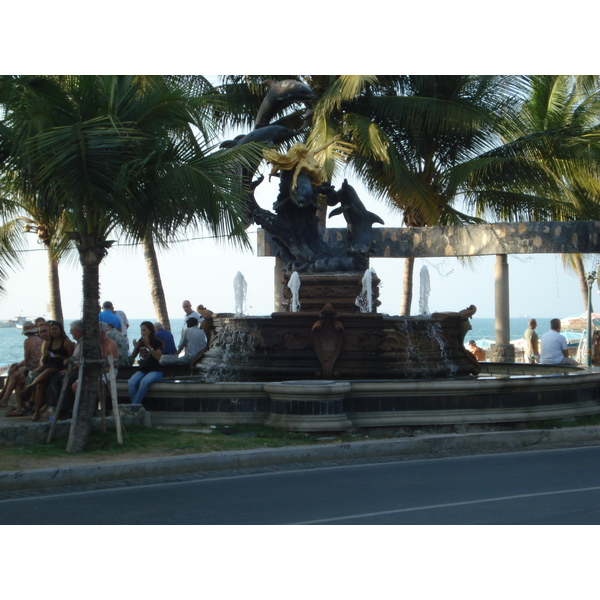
{"x":281,"y":94}
{"x":276,"y":134}
{"x":359,"y":219}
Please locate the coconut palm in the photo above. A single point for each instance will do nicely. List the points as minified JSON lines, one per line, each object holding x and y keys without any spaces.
{"x":117,"y":154}
{"x":558,"y":130}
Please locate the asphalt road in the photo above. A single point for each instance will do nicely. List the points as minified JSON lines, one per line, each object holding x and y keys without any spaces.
{"x":534,"y":487}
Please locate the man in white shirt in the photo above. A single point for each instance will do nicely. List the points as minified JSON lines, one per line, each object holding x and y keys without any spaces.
{"x":555,"y":350}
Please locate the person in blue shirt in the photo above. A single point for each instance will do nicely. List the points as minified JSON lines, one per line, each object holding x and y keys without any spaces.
{"x":169,"y":351}
{"x":108,"y":316}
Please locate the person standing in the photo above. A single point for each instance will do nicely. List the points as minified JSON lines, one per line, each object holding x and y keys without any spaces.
{"x":124,"y":322}
{"x":532,"y":350}
{"x":555,"y":350}
{"x":189,"y":313}
{"x":108,"y":316}
{"x":149,"y":347}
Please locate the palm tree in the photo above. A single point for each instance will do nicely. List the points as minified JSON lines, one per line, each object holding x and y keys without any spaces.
{"x":51,"y":236}
{"x":11,"y":245}
{"x":558,"y":131}
{"x":108,"y":151}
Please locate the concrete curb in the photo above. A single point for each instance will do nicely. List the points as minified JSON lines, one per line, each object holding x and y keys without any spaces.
{"x":434,"y":445}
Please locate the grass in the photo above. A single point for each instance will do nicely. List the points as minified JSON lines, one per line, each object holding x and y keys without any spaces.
{"x":140,"y":441}
{"x":587,"y":421}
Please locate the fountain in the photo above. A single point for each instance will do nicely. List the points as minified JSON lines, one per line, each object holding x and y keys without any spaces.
{"x":327,"y":360}
{"x":329,"y":327}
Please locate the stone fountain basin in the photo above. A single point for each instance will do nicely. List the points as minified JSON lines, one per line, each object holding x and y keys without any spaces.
{"x":308,"y":405}
{"x":306,"y":346}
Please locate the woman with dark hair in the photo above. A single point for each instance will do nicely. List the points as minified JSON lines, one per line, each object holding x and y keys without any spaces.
{"x":56,"y":352}
{"x":149,"y":348}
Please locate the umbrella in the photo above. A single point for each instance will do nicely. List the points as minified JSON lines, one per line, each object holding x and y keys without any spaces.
{"x":579,"y":322}
{"x":573,"y":337}
{"x":519,"y":344}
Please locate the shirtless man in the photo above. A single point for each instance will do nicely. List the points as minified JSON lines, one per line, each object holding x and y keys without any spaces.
{"x":17,"y":373}
{"x":23,"y":379}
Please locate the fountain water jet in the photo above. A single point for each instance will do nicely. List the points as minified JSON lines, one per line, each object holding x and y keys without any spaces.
{"x":294,"y":286}
{"x":425,"y":289}
{"x":240,"y":288}
{"x":364,"y":301}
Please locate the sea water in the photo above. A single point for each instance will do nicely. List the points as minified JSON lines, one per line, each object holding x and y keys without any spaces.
{"x":11,"y":338}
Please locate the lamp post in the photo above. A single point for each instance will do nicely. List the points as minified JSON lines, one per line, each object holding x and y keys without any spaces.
{"x":588,"y":351}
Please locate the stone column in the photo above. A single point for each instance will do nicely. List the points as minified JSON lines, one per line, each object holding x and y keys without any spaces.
{"x":502,"y":350}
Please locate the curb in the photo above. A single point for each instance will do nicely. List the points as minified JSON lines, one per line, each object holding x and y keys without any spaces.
{"x":432,"y":445}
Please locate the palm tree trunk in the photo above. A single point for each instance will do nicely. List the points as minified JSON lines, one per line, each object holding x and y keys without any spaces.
{"x":580,"y":270}
{"x":407,"y":291}
{"x":56,"y":312}
{"x":90,"y":258}
{"x":156,"y":286}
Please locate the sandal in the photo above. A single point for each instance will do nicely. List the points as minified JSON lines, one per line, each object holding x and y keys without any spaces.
{"x":23,"y":412}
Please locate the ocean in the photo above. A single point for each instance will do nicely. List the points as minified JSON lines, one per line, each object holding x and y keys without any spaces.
{"x":11,"y":338}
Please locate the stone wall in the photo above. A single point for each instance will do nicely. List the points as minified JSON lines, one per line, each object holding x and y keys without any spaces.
{"x":468,"y":240}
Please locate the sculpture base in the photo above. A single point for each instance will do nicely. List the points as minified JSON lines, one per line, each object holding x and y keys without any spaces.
{"x":339,"y":289}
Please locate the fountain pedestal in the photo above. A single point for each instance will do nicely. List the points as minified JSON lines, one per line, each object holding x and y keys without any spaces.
{"x":339,"y":289}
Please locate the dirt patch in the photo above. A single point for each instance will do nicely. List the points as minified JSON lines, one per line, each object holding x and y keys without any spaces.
{"x":18,"y":463}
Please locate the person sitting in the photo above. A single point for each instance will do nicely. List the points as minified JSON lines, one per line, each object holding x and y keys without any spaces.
{"x":193,"y":340}
{"x":76,"y":330}
{"x":555,"y":350}
{"x":149,"y":348}
{"x":476,"y":350}
{"x":17,"y":373}
{"x":24,"y":407}
{"x":59,"y":349}
{"x":122,"y":344}
{"x":169,"y":351}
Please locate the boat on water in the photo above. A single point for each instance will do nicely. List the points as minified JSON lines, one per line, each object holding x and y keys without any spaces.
{"x":15,"y":322}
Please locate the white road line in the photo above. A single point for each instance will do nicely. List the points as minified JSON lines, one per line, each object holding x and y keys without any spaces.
{"x":448,"y":505}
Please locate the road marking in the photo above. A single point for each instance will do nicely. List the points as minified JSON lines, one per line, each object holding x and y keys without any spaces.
{"x":448,"y":505}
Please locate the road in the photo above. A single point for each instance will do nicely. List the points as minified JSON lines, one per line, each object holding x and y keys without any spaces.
{"x":534,"y":487}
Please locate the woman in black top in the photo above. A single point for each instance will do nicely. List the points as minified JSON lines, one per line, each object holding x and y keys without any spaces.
{"x":149,"y":348}
{"x":54,"y":357}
